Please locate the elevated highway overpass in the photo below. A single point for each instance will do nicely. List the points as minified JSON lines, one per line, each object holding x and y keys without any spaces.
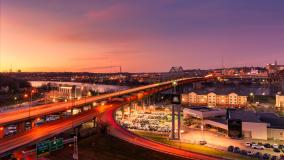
{"x":51,"y":129}
{"x":34,"y":112}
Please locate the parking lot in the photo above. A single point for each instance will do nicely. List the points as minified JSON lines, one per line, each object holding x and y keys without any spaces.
{"x":222,"y":142}
{"x":150,"y":119}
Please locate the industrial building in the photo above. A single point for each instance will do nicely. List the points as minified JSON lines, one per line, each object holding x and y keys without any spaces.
{"x":254,"y":125}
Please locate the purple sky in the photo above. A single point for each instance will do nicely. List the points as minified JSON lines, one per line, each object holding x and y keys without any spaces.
{"x":148,"y":35}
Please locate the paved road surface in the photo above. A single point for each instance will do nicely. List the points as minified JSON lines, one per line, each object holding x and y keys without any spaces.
{"x":123,"y":134}
{"x":50,"y":129}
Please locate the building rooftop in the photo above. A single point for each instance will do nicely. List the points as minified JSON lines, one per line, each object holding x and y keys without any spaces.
{"x":273,"y":119}
{"x":245,"y":116}
{"x":202,"y":109}
{"x":219,"y":120}
{"x":219,"y":92}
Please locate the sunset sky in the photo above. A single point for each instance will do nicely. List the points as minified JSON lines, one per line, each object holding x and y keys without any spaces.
{"x":139,"y":35}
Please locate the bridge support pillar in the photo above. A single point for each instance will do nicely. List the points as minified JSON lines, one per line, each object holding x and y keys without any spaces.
{"x":21,"y":127}
{"x":173,"y":123}
{"x":179,"y":122}
{"x":143,"y":104}
{"x":32,"y":123}
{"x":122,"y":111}
{"x":95,"y":122}
{"x":129,"y":109}
{"x":77,"y":131}
{"x":72,"y":111}
{"x":175,"y":135}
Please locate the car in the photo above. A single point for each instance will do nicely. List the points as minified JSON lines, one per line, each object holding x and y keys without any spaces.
{"x":247,"y":144}
{"x":276,"y":150}
{"x":244,"y":152}
{"x":250,"y":153}
{"x":202,"y":142}
{"x":274,"y":145}
{"x":267,"y":145}
{"x":258,"y":155}
{"x":266,"y":156}
{"x":237,"y":150}
{"x":282,"y":150}
{"x":230,"y":148}
{"x":256,"y":146}
{"x":273,"y":158}
{"x":281,"y":146}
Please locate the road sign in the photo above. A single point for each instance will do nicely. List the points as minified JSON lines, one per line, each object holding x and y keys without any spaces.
{"x":48,"y":146}
{"x":42,"y":147}
{"x":56,"y":144}
{"x":176,"y":99}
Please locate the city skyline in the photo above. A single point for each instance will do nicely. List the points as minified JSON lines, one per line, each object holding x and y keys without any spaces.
{"x":140,"y":36}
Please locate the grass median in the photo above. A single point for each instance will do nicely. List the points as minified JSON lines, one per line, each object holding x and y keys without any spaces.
{"x":109,"y":148}
{"x":192,"y":147}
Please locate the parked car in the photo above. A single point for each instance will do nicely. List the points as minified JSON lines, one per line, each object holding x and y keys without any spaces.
{"x":202,"y":142}
{"x":258,"y":155}
{"x":281,"y":146}
{"x":237,"y":150}
{"x":231,"y":148}
{"x":274,"y":158}
{"x":250,"y":153}
{"x":276,"y":150}
{"x":256,"y":146}
{"x":247,"y":144}
{"x":243,"y":152}
{"x":266,"y":156}
{"x":274,"y":145}
{"x":267,"y":145}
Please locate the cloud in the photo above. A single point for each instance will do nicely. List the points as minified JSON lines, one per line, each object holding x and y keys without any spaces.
{"x":109,"y":13}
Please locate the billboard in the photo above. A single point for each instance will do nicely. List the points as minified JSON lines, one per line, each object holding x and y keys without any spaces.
{"x":235,"y":128}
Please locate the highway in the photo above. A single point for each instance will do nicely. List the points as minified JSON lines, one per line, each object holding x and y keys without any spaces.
{"x":54,"y":128}
{"x":105,"y":112}
{"x":51,"y":129}
{"x":24,"y":114}
{"x":117,"y":131}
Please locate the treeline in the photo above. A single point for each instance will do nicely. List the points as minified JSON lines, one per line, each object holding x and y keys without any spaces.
{"x":12,"y":85}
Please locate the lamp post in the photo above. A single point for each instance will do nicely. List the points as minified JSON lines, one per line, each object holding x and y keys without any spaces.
{"x":15,"y":99}
{"x":174,"y":84}
{"x":31,"y":98}
{"x":26,"y":96}
{"x":252,"y":95}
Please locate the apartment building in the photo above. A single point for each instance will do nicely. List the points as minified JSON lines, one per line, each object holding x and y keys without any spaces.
{"x":214,"y":99}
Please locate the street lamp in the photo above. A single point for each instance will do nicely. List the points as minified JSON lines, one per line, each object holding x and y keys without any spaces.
{"x":174,"y":84}
{"x":252,"y":95}
{"x":15,"y":99}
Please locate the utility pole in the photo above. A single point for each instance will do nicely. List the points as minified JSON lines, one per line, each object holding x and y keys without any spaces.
{"x":75,"y":151}
{"x":178,"y":122}
{"x":174,"y":84}
{"x":175,"y":105}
